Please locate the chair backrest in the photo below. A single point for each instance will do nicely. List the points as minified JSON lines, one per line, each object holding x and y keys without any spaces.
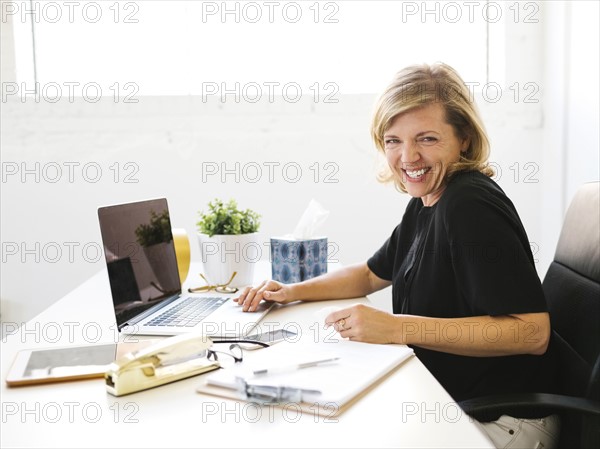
{"x":572,"y":283}
{"x":572,"y":289}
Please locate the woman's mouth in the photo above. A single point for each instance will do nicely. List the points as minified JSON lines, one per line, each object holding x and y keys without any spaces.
{"x":416,"y":175}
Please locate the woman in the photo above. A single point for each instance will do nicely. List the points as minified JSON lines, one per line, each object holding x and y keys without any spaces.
{"x":466,"y":295}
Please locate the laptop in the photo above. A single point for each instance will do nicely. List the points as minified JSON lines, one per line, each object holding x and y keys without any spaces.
{"x":144,"y":279}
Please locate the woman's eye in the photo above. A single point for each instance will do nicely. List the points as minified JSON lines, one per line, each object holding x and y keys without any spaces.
{"x":391,"y":141}
{"x":428,"y":139}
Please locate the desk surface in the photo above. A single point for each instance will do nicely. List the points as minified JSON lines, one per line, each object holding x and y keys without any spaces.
{"x":408,"y":408}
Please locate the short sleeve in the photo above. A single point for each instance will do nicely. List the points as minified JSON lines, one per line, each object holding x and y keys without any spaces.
{"x":491,"y":256}
{"x":382,"y":262}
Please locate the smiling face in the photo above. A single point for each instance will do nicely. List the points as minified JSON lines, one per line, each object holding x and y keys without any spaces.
{"x":419,"y":147}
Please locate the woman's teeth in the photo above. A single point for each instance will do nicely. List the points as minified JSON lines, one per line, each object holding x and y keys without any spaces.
{"x":416,"y":173}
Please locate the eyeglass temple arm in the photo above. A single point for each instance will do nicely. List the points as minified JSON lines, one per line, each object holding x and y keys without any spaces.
{"x":254,"y":342}
{"x":209,"y":285}
{"x":229,"y":281}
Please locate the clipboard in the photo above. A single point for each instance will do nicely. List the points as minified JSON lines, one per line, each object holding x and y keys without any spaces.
{"x":327,"y":389}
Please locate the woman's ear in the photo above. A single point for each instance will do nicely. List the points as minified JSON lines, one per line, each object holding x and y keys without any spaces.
{"x":465,"y":144}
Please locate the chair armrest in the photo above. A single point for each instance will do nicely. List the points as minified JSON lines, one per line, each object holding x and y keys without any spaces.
{"x":538,"y":403}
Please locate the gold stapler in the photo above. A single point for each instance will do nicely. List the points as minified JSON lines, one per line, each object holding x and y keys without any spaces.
{"x":171,"y":359}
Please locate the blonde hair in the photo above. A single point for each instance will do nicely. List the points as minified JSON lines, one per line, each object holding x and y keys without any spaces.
{"x":420,"y":85}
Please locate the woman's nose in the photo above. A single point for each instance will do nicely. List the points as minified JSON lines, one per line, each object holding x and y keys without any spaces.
{"x":409,"y":154}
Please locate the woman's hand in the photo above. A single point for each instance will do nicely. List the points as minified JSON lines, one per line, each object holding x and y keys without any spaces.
{"x":364,"y":323}
{"x":271,"y":290}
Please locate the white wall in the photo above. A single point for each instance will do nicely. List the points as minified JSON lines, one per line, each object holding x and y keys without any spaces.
{"x":570,"y":145}
{"x":7,"y":69}
{"x":582,"y":109}
{"x":168,"y":139}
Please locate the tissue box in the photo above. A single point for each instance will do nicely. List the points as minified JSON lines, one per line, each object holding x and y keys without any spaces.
{"x":298,"y":260}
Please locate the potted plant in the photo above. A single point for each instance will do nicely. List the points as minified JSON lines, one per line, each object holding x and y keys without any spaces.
{"x":228,"y":239}
{"x":155,"y":239}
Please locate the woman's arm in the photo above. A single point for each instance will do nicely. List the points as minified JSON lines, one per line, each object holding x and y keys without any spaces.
{"x":481,"y":336}
{"x":348,"y":282}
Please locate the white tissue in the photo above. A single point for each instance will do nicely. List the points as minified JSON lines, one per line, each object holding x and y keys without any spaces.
{"x":311,"y":219}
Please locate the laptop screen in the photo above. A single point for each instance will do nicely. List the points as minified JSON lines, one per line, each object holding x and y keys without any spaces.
{"x":140,"y":256}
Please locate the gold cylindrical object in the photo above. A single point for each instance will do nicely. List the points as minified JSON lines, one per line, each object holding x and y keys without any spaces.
{"x":182,"y":251}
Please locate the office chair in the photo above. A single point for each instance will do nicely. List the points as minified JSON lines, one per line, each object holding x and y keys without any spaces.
{"x":572,"y":290}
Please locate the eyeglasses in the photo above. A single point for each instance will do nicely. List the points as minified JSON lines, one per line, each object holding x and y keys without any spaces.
{"x":235,"y":353}
{"x":219,"y":288}
{"x":233,"y":356}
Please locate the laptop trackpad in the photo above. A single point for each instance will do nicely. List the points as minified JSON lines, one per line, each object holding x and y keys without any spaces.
{"x":230,"y":320}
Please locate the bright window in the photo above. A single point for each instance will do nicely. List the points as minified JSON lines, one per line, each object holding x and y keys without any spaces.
{"x":194,"y":47}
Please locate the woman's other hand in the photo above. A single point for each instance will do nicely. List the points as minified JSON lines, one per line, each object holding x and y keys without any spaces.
{"x":364,"y":323}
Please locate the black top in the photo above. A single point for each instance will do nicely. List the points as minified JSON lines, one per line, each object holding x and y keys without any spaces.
{"x":467,"y":255}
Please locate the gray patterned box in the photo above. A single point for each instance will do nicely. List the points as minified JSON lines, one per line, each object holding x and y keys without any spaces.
{"x":298,"y":260}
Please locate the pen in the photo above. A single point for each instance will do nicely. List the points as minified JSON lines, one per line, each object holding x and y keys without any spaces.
{"x":282,"y":369}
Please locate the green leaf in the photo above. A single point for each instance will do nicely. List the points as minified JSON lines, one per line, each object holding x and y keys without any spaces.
{"x":227,"y":219}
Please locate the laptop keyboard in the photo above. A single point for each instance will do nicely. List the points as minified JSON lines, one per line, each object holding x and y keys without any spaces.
{"x":188,"y":313}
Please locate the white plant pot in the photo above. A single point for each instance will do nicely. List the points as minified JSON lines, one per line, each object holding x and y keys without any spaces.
{"x":223,"y":254}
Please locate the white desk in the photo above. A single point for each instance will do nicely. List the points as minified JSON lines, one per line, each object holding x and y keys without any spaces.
{"x":408,"y":408}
